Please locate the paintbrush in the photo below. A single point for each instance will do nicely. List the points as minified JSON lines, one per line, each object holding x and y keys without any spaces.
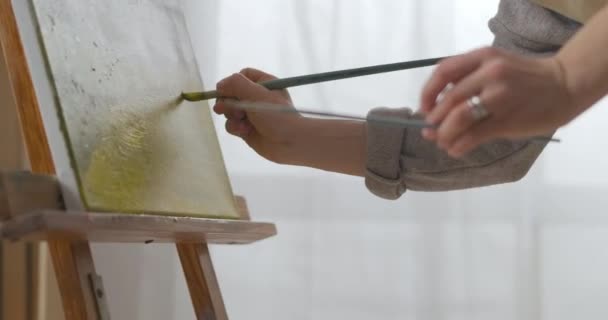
{"x":285,"y":83}
{"x":279,"y":84}
{"x":408,"y":123}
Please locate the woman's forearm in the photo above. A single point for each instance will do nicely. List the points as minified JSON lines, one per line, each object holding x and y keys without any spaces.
{"x":585,"y":62}
{"x":331,"y":145}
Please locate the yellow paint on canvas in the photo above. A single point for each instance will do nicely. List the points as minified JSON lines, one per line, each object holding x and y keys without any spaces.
{"x":119,"y":68}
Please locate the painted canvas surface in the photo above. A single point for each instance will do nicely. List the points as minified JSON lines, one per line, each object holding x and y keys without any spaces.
{"x":118,"y":68}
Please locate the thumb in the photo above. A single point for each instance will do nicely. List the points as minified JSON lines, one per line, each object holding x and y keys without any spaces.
{"x":240,"y":87}
{"x":256,"y":75}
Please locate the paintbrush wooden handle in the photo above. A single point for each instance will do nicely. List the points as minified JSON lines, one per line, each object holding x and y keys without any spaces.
{"x":285,"y":83}
{"x":386,"y":120}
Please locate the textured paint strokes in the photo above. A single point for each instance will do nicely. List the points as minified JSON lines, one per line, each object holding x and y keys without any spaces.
{"x":118,"y":68}
{"x":116,"y":174}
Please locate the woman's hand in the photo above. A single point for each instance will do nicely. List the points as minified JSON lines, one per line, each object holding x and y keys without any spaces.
{"x":522,"y":97}
{"x":267,"y":132}
{"x":288,"y":137}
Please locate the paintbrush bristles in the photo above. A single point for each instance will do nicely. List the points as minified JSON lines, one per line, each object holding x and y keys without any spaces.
{"x":199,"y":96}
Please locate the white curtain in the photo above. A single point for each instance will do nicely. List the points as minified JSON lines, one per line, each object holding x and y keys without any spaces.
{"x":531,"y":250}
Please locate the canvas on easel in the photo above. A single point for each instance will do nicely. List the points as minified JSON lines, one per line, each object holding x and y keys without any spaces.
{"x":116,"y":71}
{"x":95,"y":85}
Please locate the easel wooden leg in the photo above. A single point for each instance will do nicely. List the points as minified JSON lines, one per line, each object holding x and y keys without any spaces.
{"x":74,"y":269}
{"x":202,"y":282}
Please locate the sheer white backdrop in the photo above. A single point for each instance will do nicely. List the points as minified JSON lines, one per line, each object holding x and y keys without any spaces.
{"x":531,"y":250}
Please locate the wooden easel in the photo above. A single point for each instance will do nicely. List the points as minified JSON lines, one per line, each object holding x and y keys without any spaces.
{"x":32,"y":209}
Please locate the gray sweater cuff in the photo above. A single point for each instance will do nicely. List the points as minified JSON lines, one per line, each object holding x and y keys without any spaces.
{"x":384,"y":145}
{"x":399,"y":159}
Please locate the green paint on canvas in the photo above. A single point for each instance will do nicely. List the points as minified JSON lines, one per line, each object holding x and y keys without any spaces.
{"x":118,"y":69}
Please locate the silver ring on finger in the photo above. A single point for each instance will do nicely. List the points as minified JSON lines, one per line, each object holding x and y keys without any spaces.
{"x":477,"y":109}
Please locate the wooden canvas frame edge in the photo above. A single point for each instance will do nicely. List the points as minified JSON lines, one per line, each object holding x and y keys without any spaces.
{"x":47,"y":104}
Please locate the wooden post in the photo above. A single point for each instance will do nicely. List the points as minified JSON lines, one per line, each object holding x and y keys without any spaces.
{"x":200,"y":275}
{"x":72,"y":261}
{"x":73,"y":264}
{"x":16,"y":284}
{"x":202,"y":281}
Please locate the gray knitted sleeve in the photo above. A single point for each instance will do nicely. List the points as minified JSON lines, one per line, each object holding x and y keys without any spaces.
{"x":400,"y":159}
